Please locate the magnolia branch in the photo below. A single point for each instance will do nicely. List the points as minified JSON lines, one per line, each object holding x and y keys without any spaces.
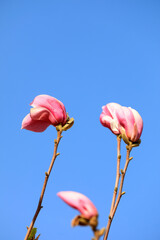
{"x":115,"y":202}
{"x":118,"y":172}
{"x":47,"y":174}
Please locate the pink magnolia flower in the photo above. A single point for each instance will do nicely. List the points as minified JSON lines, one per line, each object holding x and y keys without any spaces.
{"x":79,"y":202}
{"x":121,"y":119}
{"x":46,"y":111}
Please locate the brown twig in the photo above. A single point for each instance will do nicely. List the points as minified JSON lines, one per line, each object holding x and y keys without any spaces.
{"x":118,"y":172}
{"x":120,"y":193}
{"x":39,"y":207}
{"x":96,"y":236}
{"x":98,"y":233}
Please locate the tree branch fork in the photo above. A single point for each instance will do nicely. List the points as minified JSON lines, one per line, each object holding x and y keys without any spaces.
{"x":120,"y":175}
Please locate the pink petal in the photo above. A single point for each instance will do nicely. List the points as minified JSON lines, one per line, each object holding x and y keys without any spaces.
{"x":134,"y":136}
{"x":79,"y":202}
{"x":139,"y":123}
{"x":34,"y":125}
{"x":113,"y":108}
{"x":105,"y":120}
{"x":126,"y":120}
{"x":43,"y":114}
{"x":115,"y":128}
{"x":106,"y":111}
{"x":108,"y":117}
{"x":53,"y":105}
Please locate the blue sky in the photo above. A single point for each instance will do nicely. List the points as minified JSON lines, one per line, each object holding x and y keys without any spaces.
{"x":86,"y":54}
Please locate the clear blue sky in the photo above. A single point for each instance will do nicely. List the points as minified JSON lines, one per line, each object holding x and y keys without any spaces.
{"x":86,"y":53}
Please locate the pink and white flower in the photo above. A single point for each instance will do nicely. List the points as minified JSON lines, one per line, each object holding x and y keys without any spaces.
{"x":121,"y":119}
{"x":46,"y":111}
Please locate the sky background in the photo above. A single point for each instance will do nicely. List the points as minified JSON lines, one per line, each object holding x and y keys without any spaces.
{"x":86,"y":53}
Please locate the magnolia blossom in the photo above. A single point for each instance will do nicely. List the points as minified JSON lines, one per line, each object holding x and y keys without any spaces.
{"x":79,"y":202}
{"x":122,"y":120}
{"x":46,"y":111}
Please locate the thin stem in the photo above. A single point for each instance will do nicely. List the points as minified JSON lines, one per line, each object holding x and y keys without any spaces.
{"x":98,"y":233}
{"x":116,"y":183}
{"x":118,"y":173}
{"x":121,"y":183}
{"x":39,"y":207}
{"x":112,"y":213}
{"x":96,"y":236}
